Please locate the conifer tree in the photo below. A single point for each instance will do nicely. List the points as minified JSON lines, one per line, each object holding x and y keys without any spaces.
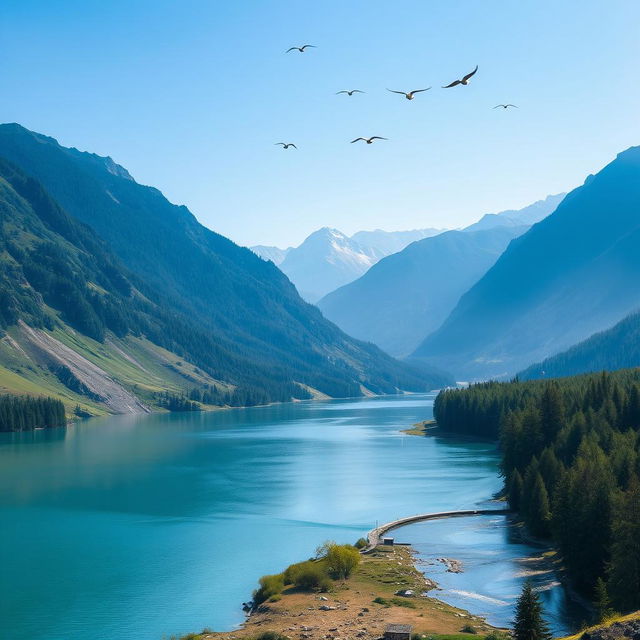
{"x":515,"y":490}
{"x":624,"y":569}
{"x":529,"y":623}
{"x":602,"y":602}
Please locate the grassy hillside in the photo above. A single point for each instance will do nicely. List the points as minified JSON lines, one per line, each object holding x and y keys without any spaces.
{"x":75,"y":316}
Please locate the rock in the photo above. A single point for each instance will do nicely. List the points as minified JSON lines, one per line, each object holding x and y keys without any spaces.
{"x":326,"y":607}
{"x":323,"y":598}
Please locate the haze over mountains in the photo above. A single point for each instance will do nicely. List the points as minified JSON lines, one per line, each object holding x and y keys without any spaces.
{"x":407,"y":295}
{"x":571,"y":275}
{"x":147,"y":300}
{"x":328,"y":259}
{"x":615,"y":348}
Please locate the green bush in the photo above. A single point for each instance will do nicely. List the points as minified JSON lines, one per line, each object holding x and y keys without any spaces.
{"x":310,"y":576}
{"x":468,"y":629}
{"x":270,"y":635}
{"x":361,"y":543}
{"x":398,"y":602}
{"x":270,"y":585}
{"x":342,"y":559}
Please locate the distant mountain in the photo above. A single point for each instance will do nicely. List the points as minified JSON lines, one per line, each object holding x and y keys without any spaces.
{"x":516,"y":218}
{"x":574,"y":273}
{"x":221,"y":310}
{"x":388,"y":242}
{"x":615,"y":348}
{"x":274,"y":254}
{"x":407,"y":295}
{"x":328,"y":259}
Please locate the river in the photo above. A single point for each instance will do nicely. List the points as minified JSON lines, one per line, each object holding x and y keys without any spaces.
{"x":138,"y":527}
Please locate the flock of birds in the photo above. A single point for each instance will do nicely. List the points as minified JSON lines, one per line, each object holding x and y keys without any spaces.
{"x":410,"y":95}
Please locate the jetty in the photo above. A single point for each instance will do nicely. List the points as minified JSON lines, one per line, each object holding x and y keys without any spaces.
{"x":374,"y":536}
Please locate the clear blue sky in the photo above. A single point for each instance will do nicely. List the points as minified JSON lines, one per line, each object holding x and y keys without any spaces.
{"x":190,"y":96}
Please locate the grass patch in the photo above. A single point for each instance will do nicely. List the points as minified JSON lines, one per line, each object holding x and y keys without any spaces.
{"x":395,"y":602}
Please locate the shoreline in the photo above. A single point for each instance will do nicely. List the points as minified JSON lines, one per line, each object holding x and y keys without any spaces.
{"x":362,"y":606}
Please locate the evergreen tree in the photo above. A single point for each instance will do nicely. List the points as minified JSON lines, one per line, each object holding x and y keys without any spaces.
{"x":602,"y":602}
{"x":515,"y":490}
{"x":538,"y":513}
{"x":529,"y":623}
{"x":624,"y":569}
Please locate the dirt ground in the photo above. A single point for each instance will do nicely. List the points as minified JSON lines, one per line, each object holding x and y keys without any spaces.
{"x":350,"y":611}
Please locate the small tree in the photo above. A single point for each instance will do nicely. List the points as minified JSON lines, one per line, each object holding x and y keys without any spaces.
{"x":342,"y":559}
{"x":529,"y":623}
{"x":601,"y":601}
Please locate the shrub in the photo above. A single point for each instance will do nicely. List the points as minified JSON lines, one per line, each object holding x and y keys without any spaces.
{"x":361,"y":543}
{"x":270,"y":635}
{"x":342,"y":559}
{"x":468,"y":629}
{"x":309,"y":575}
{"x":270,"y":585}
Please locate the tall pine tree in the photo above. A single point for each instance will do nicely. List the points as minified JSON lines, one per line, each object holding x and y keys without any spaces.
{"x":529,"y":623}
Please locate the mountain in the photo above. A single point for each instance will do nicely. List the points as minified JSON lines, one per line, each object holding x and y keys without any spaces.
{"x":615,"y":348}
{"x":328,"y":259}
{"x":229,"y":317}
{"x":574,"y":273}
{"x":388,"y":242}
{"x":274,"y":254}
{"x":408,"y":294}
{"x":518,"y":217}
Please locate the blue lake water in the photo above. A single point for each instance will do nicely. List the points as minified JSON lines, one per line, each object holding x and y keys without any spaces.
{"x":141,"y":527}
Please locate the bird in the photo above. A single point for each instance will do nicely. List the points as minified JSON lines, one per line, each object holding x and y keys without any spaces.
{"x":302,"y":48}
{"x":349,"y":93}
{"x":465,"y":79}
{"x":286,"y":145}
{"x":411,"y":94}
{"x":506,"y":106}
{"x":369,"y":140}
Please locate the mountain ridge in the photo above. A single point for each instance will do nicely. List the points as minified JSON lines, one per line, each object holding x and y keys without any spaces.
{"x":571,"y":275}
{"x":270,"y":338}
{"x":328,"y":259}
{"x":407,"y":295}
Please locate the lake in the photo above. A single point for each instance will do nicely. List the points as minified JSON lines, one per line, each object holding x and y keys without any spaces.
{"x":138,"y":527}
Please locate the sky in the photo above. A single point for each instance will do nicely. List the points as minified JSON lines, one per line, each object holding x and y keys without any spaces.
{"x":191,"y":95}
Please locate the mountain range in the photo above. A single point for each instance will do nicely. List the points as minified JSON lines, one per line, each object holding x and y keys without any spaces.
{"x":575,"y":273}
{"x":112,"y":298}
{"x":407,"y":295}
{"x":328,"y":259}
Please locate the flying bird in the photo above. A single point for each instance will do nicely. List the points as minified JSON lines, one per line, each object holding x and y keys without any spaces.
{"x":350,"y":93}
{"x":411,"y":94}
{"x":369,"y":140}
{"x":286,"y":145}
{"x":506,"y":106}
{"x":465,"y":79}
{"x":302,"y":48}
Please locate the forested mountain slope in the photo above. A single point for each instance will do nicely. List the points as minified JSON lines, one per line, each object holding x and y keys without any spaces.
{"x":615,"y":348}
{"x":211,"y":319}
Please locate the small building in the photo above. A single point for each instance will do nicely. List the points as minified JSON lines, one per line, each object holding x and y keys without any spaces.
{"x":387,"y":541}
{"x":397,"y":632}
